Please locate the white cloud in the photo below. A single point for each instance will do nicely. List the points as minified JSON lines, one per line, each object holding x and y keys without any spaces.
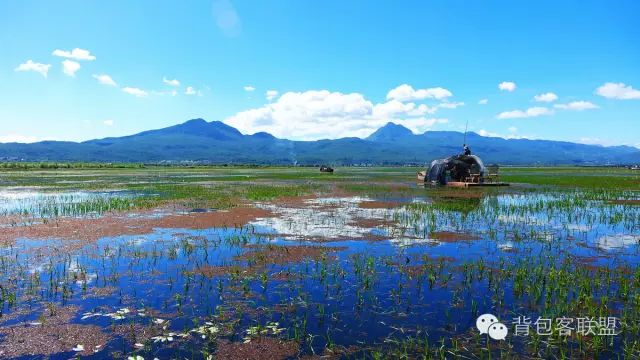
{"x":135,"y":91}
{"x":42,"y":69}
{"x":104,"y":79}
{"x":546,"y":97}
{"x":512,"y":135}
{"x":618,"y":91}
{"x":108,"y":122}
{"x":165,"y":93}
{"x":450,"y":105}
{"x":70,"y":67}
{"x":249,"y":88}
{"x":483,"y":101}
{"x":605,"y":142}
{"x":512,"y":129}
{"x":507,"y":86}
{"x":15,"y":138}
{"x":421,"y":124}
{"x":75,"y":54}
{"x":318,"y":114}
{"x":406,"y":92}
{"x":190,"y":91}
{"x":592,"y":141}
{"x":530,"y":112}
{"x":392,"y":108}
{"x":170,"y":82}
{"x":483,"y":132}
{"x":422,"y":109}
{"x":577,"y":106}
{"x":271,"y":94}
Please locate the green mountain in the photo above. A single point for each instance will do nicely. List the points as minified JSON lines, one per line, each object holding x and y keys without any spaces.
{"x":217,"y":143}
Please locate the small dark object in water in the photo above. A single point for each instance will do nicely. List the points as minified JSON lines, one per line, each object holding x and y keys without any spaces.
{"x":326,"y":169}
{"x":201,"y":210}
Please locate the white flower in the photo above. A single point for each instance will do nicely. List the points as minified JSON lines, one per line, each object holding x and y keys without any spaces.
{"x":168,"y":338}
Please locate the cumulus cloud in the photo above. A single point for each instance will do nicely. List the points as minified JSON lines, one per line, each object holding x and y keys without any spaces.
{"x":530,"y":112}
{"x":30,"y":65}
{"x":577,"y":106}
{"x":135,"y":91}
{"x":422,"y":109}
{"x":70,"y":67}
{"x":406,"y":92}
{"x":507,"y":86}
{"x":392,"y":108}
{"x":108,"y":122}
{"x":104,"y":79}
{"x":190,"y":91}
{"x":249,"y":88}
{"x":395,"y":108}
{"x":421,"y":124}
{"x":318,"y":114}
{"x":171,"y":82}
{"x":483,"y":101}
{"x":546,"y":97}
{"x":618,"y":91}
{"x":75,"y":54}
{"x":271,"y":94}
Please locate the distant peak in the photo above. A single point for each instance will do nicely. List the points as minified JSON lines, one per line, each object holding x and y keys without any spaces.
{"x":194,"y":121}
{"x":390,"y":131}
{"x":392,"y":125}
{"x":263,"y":135}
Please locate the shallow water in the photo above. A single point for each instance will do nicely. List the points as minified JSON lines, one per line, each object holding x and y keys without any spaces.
{"x":384,"y":283}
{"x":44,"y":204}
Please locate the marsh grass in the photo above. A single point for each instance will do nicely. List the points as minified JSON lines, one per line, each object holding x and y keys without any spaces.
{"x":183,"y":293}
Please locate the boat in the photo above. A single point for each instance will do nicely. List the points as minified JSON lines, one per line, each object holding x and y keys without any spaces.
{"x":326,"y":169}
{"x":461,"y":171}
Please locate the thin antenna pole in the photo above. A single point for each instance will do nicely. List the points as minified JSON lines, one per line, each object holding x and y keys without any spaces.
{"x":465,"y":132}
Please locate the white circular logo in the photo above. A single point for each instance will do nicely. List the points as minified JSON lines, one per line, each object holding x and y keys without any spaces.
{"x":484,"y":321}
{"x":498,"y":331}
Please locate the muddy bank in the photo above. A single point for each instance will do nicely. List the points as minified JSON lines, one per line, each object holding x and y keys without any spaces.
{"x":266,"y":348}
{"x":52,"y":334}
{"x":280,"y":255}
{"x":92,"y":229}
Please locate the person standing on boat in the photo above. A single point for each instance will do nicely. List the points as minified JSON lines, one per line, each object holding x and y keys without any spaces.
{"x":466,"y":149}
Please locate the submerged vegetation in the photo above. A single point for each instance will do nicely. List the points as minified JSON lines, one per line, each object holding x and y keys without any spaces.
{"x":221,"y":262}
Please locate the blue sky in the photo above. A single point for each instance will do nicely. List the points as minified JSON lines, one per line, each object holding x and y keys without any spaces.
{"x":321,"y":69}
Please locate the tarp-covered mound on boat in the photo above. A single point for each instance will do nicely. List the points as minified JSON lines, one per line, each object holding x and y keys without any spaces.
{"x":459,"y":168}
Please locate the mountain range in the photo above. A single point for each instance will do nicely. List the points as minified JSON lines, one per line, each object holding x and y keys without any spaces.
{"x":217,"y":143}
